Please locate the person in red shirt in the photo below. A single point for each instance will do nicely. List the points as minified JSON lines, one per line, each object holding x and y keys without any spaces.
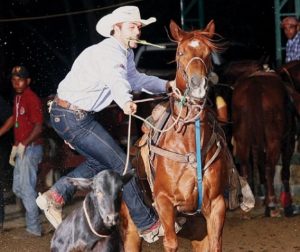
{"x":27,"y":151}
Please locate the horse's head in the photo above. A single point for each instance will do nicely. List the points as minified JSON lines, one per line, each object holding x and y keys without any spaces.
{"x":193,"y":58}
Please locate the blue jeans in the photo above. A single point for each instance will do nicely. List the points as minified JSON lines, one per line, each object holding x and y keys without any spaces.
{"x":91,"y":140}
{"x":24,"y":183}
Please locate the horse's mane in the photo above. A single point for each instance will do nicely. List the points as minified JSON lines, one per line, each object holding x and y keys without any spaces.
{"x":290,"y":65}
{"x":214,"y":42}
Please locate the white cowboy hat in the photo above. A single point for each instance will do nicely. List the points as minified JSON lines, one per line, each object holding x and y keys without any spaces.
{"x":120,"y":15}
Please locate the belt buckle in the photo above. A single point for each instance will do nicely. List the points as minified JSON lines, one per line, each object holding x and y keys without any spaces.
{"x":80,"y":114}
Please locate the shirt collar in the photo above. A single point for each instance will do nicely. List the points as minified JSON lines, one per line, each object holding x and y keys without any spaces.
{"x":27,"y":90}
{"x":127,"y":51}
{"x":297,"y":36}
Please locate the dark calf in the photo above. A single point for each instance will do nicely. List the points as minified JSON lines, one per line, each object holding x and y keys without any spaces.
{"x":95,"y":222}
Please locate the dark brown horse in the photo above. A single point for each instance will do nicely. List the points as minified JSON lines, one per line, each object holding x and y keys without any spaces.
{"x":290,"y":73}
{"x":264,"y":130}
{"x":174,"y":152}
{"x":236,"y":69}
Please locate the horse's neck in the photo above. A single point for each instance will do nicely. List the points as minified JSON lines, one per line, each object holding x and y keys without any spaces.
{"x":262,"y":73}
{"x":211,"y":131}
{"x":191,"y":111}
{"x":183,"y":110}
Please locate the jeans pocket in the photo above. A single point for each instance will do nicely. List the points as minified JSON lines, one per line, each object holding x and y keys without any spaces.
{"x":59,"y":123}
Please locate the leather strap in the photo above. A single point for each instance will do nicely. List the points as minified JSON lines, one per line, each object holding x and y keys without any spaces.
{"x":66,"y":104}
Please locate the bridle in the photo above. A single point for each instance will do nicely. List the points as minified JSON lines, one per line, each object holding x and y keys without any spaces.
{"x":186,"y":78}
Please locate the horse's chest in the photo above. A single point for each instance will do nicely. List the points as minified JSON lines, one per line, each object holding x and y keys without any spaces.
{"x":186,"y":188}
{"x":181,"y":185}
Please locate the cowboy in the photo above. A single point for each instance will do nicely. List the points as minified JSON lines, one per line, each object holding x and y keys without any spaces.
{"x":102,"y":73}
{"x":290,"y":26}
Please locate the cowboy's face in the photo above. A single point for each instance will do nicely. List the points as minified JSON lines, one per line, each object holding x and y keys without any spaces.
{"x":290,"y":30}
{"x":126,"y":31}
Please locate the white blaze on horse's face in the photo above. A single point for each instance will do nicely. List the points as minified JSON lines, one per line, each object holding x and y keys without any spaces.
{"x":196,"y":80}
{"x":194,"y":43}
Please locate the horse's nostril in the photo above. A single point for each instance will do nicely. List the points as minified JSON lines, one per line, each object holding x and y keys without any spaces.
{"x":196,"y":82}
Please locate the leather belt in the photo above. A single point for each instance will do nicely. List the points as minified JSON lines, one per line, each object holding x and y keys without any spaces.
{"x":66,"y":104}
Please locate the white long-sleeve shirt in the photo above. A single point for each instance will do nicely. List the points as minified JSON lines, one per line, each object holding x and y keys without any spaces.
{"x":105,"y":72}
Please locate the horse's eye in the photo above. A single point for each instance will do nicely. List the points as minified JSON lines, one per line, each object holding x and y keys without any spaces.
{"x":179,"y":53}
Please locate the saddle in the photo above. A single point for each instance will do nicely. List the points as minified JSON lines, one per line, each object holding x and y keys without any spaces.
{"x":140,"y":152}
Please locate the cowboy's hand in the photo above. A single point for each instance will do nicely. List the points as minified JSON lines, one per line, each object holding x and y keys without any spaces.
{"x":170,"y":86}
{"x":129,"y":108}
{"x":21,"y":150}
{"x":12,"y":156}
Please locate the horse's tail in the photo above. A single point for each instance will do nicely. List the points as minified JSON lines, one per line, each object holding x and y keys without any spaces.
{"x":256,"y":120}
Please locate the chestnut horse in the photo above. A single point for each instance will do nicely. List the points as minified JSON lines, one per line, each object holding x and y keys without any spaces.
{"x":178,"y":186}
{"x":264,"y":129}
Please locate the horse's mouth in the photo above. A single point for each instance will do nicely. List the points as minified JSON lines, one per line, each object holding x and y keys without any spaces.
{"x":197,"y":87}
{"x":198,"y":93}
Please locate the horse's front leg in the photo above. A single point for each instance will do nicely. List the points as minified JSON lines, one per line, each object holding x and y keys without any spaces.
{"x":215,"y":217}
{"x":129,"y":233}
{"x":166,"y":212}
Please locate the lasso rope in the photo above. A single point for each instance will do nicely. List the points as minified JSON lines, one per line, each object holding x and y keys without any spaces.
{"x":181,"y":103}
{"x":128,"y":145}
{"x":89,"y":221}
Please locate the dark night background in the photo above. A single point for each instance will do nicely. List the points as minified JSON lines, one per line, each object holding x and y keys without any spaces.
{"x":49,"y":45}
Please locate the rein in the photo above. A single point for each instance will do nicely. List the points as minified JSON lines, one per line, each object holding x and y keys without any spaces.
{"x":182,"y":101}
{"x":151,"y":125}
{"x":186,"y":78}
{"x":196,"y":58}
{"x":89,"y":221}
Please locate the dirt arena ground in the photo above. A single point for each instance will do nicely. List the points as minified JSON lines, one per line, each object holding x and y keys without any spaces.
{"x":256,"y":234}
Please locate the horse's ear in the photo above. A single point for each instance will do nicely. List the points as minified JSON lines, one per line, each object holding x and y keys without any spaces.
{"x":176,"y":32}
{"x":210,"y":28}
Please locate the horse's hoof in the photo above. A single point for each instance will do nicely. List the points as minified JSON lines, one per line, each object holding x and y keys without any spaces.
{"x":245,"y":215}
{"x":272,"y":212}
{"x":275,"y":213}
{"x":289,"y":211}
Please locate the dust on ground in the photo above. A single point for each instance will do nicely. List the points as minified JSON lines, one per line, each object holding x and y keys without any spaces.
{"x":256,"y":234}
